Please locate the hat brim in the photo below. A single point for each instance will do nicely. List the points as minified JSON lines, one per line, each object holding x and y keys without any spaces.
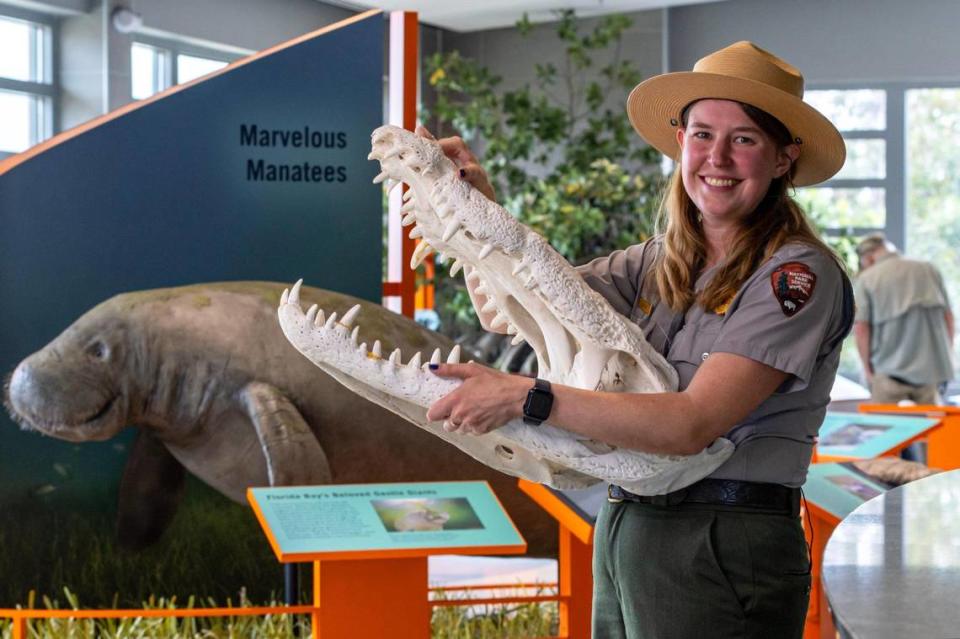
{"x":655,"y":105}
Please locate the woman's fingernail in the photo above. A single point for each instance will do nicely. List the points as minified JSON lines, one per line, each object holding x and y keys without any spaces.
{"x":463,"y":173}
{"x":434,"y":367}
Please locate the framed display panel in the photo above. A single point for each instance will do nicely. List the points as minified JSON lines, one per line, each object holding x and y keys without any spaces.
{"x":357,"y":521}
{"x":848,"y":436}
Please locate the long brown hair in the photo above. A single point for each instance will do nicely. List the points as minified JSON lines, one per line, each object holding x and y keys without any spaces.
{"x":776,"y":220}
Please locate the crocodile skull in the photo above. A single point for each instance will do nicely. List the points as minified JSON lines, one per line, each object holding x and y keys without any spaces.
{"x":539,"y":297}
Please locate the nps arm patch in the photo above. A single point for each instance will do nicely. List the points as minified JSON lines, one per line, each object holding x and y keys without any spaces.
{"x":793,"y":285}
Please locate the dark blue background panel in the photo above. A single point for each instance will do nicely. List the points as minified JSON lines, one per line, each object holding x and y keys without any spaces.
{"x":258,"y":172}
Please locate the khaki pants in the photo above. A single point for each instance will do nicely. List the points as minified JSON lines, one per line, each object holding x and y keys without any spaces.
{"x":886,"y":390}
{"x":695,"y":571}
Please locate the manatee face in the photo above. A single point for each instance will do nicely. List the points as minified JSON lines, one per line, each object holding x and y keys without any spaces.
{"x":71,"y":388}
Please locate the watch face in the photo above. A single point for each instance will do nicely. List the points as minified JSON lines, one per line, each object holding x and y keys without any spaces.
{"x":538,"y":404}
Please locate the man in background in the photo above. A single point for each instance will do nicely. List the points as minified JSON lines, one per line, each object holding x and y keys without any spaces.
{"x":903,"y":326}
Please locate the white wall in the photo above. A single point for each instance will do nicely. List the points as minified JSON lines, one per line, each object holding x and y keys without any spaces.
{"x":830,"y":41}
{"x":93,"y":59}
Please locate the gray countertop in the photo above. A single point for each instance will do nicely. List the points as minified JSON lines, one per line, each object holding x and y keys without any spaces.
{"x":892,"y":567}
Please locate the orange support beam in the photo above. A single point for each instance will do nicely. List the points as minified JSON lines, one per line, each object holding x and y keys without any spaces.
{"x":371,"y":598}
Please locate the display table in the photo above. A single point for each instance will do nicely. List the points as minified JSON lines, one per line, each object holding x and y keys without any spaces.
{"x":943,"y":443}
{"x":891,"y":569}
{"x":852,"y":436}
{"x":369,"y":545}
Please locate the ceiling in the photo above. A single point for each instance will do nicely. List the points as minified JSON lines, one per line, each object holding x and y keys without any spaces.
{"x":494,"y":14}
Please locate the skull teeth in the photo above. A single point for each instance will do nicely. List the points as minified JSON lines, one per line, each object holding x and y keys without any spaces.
{"x":485,"y":251}
{"x":295,"y":293}
{"x":451,"y":229}
{"x":454,"y":356}
{"x":420,"y":253}
{"x":331,"y":321}
{"x":381,"y":176}
{"x":435,"y":358}
{"x":350,"y":315}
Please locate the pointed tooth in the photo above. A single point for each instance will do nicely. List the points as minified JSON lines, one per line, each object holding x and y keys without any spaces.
{"x":331,"y":320}
{"x":381,"y":176}
{"x":409,"y":206}
{"x":455,"y":267}
{"x":377,"y":349}
{"x":499,"y":320}
{"x":319,"y":320}
{"x":491,"y":305}
{"x":519,"y":267}
{"x":454,"y":356}
{"x":408,"y":219}
{"x":422,"y":251}
{"x":415,"y":360}
{"x":485,"y":251}
{"x":474,"y":274}
{"x":407,"y":195}
{"x":295,"y":293}
{"x":312,"y":313}
{"x":284,"y":296}
{"x":362,"y":348}
{"x":415,"y":232}
{"x":353,"y":335}
{"x":511,"y":329}
{"x":373,"y":155}
{"x":395,"y":357}
{"x":517,"y":339}
{"x":435,"y":358}
{"x":350,"y":315}
{"x":452,"y":228}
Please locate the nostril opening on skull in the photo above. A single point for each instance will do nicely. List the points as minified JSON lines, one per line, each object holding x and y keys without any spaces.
{"x":504,"y":452}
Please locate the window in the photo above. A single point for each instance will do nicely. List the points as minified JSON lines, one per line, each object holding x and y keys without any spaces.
{"x":932,"y":120}
{"x":26,"y":83}
{"x":855,"y":200}
{"x":157,"y":65}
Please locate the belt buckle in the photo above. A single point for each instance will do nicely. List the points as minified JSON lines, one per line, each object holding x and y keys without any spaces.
{"x":610,"y":498}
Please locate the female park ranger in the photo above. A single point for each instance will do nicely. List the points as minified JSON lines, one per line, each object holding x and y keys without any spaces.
{"x":750,"y":307}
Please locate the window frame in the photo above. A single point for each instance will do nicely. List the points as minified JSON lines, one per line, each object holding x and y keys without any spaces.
{"x":48,"y":87}
{"x":173,"y":48}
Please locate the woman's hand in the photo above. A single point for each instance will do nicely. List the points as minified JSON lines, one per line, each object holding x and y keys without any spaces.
{"x":461,"y":155}
{"x":485,"y":401}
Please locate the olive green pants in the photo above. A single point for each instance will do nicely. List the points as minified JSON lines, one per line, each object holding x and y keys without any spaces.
{"x":695,"y":571}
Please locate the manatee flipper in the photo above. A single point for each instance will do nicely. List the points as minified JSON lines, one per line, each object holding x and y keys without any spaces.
{"x":150,"y":490}
{"x":294,"y":456}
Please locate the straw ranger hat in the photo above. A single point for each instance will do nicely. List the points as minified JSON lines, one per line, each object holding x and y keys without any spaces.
{"x":746,"y":73}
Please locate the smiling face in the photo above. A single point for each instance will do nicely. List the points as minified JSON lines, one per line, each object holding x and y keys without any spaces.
{"x":728,"y":161}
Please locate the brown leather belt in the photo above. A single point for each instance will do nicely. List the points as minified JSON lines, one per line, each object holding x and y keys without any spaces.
{"x":720,"y":492}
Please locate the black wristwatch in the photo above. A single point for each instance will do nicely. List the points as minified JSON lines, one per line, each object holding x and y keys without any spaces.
{"x":536,"y":409}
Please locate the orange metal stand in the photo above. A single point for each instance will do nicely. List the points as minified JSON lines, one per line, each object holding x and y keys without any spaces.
{"x":818,"y":526}
{"x":575,"y":561}
{"x":371,"y":598}
{"x":943,"y":444}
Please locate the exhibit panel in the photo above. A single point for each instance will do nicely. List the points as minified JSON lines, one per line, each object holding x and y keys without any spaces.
{"x":254,"y":172}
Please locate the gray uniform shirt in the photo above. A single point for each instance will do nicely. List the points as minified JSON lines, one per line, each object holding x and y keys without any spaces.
{"x":905,"y":301}
{"x":791,"y":314}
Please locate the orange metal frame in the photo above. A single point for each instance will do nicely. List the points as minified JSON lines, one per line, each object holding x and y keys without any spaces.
{"x":943,"y":443}
{"x":576,"y":559}
{"x":406,"y":287}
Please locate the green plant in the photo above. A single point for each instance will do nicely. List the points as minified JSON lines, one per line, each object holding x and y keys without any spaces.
{"x":562,"y":160}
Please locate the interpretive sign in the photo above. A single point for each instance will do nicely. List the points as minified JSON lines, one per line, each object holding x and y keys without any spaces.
{"x":838,"y":488}
{"x":859,"y":436}
{"x":384,"y":520}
